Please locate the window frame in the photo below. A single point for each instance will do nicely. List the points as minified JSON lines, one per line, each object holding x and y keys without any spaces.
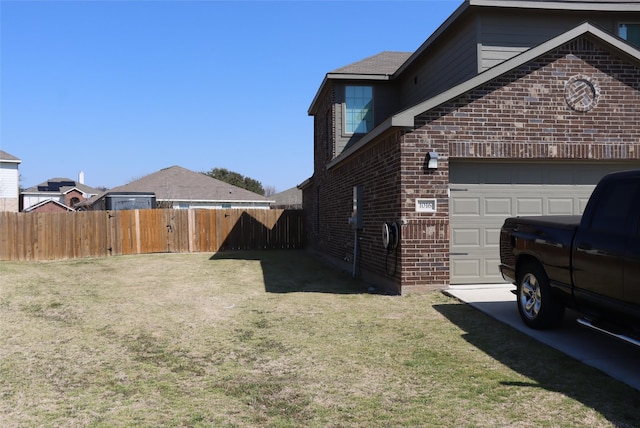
{"x":345,"y":110}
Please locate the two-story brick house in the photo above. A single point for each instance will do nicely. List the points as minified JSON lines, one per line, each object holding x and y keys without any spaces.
{"x":509,"y":108}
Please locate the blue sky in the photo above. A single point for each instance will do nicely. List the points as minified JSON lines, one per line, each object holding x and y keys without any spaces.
{"x":121,"y":89}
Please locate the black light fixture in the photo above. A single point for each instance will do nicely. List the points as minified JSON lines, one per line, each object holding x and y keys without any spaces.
{"x":432,"y":160}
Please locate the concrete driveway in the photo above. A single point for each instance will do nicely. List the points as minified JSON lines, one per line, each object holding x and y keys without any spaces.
{"x":618,"y":359}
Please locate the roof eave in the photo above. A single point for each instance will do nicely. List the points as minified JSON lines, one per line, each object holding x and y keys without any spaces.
{"x":628,"y":6}
{"x":601,"y":6}
{"x":306,"y":183}
{"x":344,"y":76}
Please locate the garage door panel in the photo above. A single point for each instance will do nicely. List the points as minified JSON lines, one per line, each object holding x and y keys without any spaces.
{"x":465,"y":268}
{"x":560,"y":206}
{"x":497,"y":206}
{"x":492,"y":237}
{"x":469,"y":206}
{"x":529,"y":206}
{"x":483,"y":194}
{"x":466,"y":237}
{"x":583,"y":204}
{"x":492,"y":271}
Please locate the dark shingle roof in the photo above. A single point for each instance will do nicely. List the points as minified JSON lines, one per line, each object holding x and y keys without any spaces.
{"x":61,"y":185}
{"x":177,"y":183}
{"x":385,"y":63}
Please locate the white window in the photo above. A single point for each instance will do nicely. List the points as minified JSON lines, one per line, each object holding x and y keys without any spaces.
{"x":358,"y":109}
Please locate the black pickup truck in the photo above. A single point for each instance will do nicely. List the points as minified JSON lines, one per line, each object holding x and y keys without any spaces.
{"x":589,"y":263}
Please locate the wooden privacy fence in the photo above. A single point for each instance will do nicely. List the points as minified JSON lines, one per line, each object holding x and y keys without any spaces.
{"x":52,"y":236}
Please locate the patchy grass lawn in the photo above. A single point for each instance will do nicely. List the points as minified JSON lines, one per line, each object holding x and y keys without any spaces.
{"x":274,"y":339}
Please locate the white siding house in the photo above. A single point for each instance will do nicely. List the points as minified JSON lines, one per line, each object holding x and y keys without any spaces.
{"x":9,"y":182}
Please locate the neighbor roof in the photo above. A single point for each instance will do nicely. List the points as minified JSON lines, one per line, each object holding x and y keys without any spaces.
{"x":291,"y":196}
{"x":61,"y":186}
{"x":176,"y":183}
{"x":6,"y":157}
{"x":47,"y":202}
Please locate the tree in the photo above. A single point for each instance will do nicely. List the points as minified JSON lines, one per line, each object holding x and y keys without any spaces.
{"x":236,"y":179}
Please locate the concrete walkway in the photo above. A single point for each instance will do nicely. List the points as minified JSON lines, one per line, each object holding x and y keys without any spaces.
{"x":618,"y":359}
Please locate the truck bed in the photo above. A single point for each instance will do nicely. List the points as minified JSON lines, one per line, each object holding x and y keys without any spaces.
{"x":555,"y":221}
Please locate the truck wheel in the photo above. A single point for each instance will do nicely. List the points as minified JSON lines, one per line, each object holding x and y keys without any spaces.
{"x":536,"y":304}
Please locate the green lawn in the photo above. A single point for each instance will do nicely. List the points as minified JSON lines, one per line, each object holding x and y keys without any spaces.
{"x":274,"y":339}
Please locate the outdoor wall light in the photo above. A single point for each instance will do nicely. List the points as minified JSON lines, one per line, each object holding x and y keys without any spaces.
{"x":432,"y":160}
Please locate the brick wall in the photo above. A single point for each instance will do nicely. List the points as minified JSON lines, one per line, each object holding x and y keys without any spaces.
{"x":50,"y":207}
{"x":328,"y":203}
{"x":73,"y":194}
{"x":521,"y":115}
{"x":525,"y":114}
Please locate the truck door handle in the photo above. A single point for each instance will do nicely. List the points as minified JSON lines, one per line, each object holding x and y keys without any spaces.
{"x":584,"y":246}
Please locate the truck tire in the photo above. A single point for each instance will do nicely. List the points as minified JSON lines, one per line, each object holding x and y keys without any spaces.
{"x":536,"y":304}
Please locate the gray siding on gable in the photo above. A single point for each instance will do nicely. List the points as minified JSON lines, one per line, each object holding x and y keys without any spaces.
{"x":504,"y":34}
{"x":452,"y":61}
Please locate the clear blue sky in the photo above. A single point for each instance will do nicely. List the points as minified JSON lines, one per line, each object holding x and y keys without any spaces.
{"x":121,"y":89}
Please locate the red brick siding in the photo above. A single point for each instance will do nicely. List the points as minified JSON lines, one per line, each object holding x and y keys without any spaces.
{"x":50,"y":207}
{"x":73,"y":194}
{"x":521,"y":115}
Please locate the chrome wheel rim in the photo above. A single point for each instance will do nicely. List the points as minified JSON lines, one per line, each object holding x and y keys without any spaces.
{"x":530,"y":298}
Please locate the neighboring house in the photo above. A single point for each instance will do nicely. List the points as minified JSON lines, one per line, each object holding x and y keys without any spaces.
{"x":63,"y":193}
{"x":49,"y":206}
{"x":289,"y":199}
{"x":177,"y":187}
{"x":9,"y":182}
{"x":509,"y":108}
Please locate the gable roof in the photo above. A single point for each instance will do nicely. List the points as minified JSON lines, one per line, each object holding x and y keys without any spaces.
{"x":577,"y":5}
{"x":6,"y":157}
{"x":406,"y":117}
{"x":60,"y":186}
{"x":176,"y":183}
{"x":595,"y":5}
{"x":385,"y":64}
{"x":377,"y":67}
{"x":47,"y":202}
{"x":361,"y":70}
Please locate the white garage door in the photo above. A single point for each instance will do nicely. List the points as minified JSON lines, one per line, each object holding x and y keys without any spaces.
{"x":483,"y":194}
